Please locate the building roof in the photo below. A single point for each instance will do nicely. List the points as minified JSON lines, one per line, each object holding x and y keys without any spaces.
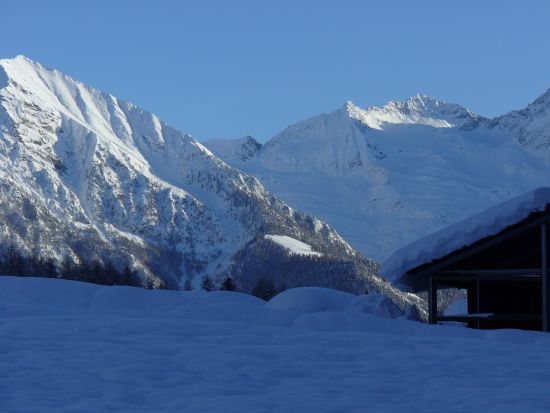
{"x":464,"y":233}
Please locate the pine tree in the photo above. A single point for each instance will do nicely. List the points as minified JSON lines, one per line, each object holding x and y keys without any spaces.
{"x":15,"y":263}
{"x":110,"y":273}
{"x":264,"y":289}
{"x":85,"y":271}
{"x":128,"y":276}
{"x":69,"y":269}
{"x":207,"y":284}
{"x":228,"y":285}
{"x":98,"y":274}
{"x":282,"y":287}
{"x":50,"y":269}
{"x":187,"y":286}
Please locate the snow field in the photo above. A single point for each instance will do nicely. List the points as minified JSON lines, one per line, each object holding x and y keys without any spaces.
{"x":68,"y":346}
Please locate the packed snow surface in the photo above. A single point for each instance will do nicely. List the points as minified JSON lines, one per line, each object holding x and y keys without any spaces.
{"x":454,"y":237}
{"x":293,"y":245}
{"x":69,"y":346}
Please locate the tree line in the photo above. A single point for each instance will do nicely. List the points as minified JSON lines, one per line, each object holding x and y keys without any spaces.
{"x":264,"y":287}
{"x":13,"y":262}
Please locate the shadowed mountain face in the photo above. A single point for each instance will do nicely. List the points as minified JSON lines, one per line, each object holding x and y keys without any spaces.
{"x":86,"y":177}
{"x":384,"y":177}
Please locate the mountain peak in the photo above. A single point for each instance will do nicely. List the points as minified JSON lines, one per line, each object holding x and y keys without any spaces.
{"x":20,"y":66}
{"x":349,"y":105}
{"x":418,"y":109}
{"x":427,"y":106}
{"x":423,"y":101}
{"x":91,"y":178}
{"x":421,"y":97}
{"x":351,"y":110}
{"x":19,"y":57}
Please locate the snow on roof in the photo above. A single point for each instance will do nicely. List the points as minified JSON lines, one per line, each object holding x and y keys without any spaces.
{"x":461,"y":234}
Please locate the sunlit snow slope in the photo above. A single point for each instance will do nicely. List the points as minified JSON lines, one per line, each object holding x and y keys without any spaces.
{"x":87,"y":176}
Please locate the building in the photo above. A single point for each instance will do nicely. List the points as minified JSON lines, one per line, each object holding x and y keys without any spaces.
{"x":499,"y":256}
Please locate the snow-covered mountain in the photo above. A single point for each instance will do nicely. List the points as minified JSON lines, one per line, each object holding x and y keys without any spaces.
{"x":87,"y":176}
{"x":384,"y":177}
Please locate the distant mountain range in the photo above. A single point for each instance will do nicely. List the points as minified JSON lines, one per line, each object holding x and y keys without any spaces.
{"x":91,"y":180}
{"x":88,"y":178}
{"x":384,"y":177}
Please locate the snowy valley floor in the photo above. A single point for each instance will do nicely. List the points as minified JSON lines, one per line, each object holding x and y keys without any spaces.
{"x":74,"y":347}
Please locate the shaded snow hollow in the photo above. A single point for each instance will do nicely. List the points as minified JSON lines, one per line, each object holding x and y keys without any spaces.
{"x":70,"y":346}
{"x":293,"y":245}
{"x":454,"y":237}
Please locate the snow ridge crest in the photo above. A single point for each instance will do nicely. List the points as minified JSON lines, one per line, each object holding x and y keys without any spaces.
{"x":419,"y":109}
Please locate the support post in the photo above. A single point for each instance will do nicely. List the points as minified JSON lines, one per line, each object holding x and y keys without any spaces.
{"x":473,"y":306}
{"x":478,"y":294}
{"x":432,"y":301}
{"x":544,"y":278}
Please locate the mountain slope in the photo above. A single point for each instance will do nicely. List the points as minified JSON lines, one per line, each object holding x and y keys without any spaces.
{"x":85,"y":176}
{"x":530,"y":126}
{"x":384,"y":177}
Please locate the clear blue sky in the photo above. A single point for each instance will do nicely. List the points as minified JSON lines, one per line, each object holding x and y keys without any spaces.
{"x":235,"y":68}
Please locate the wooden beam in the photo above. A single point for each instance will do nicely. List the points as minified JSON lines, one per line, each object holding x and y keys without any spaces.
{"x":545,"y":281}
{"x":472,"y":303}
{"x":432,"y":300}
{"x":451,"y":279}
{"x":503,"y":271}
{"x":478,"y":301}
{"x":464,"y":318}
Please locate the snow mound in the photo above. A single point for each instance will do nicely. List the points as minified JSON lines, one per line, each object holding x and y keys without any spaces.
{"x":293,"y":245}
{"x":485,"y":224}
{"x":308,"y":300}
{"x":311,"y":300}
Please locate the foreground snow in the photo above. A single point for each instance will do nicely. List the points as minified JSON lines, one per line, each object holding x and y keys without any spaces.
{"x":68,"y":346}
